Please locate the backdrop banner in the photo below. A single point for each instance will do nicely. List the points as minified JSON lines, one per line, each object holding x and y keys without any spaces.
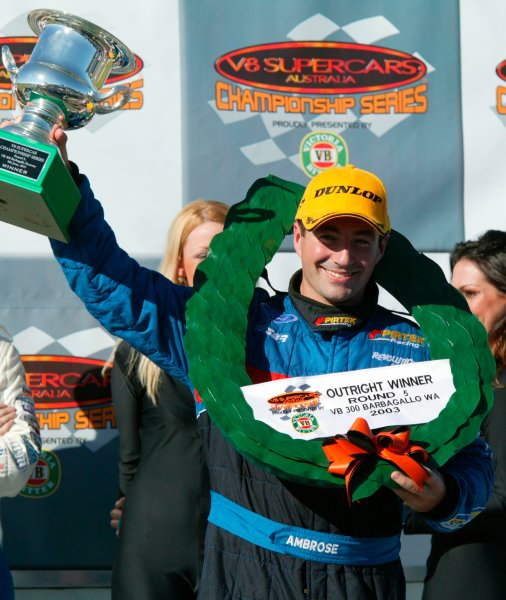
{"x":292,"y":92}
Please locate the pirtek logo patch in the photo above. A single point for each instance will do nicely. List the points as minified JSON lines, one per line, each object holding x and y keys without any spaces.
{"x":347,"y":321}
{"x":398,"y":337}
{"x":347,"y":189}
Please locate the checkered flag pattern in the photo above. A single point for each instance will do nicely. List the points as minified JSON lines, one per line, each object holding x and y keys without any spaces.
{"x":85,"y":343}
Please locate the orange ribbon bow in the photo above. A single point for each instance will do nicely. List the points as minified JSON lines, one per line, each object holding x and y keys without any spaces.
{"x":347,"y":452}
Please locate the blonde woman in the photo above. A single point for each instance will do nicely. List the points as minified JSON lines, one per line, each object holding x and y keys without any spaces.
{"x":162,"y":477}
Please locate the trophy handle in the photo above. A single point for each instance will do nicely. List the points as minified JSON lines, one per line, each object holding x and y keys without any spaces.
{"x":125,"y":92}
{"x":13,"y":70}
{"x":10,"y":63}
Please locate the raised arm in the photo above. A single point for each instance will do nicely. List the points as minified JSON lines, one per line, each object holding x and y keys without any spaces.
{"x":134,"y":303}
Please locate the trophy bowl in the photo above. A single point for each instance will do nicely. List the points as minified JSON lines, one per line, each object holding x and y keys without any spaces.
{"x":69,"y":65}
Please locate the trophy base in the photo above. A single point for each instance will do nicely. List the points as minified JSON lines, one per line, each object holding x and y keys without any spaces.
{"x":37,"y":191}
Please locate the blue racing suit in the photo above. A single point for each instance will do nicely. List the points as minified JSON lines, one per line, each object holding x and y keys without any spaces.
{"x":269,"y":538}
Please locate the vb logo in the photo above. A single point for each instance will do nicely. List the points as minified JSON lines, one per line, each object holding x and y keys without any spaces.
{"x":322,"y":150}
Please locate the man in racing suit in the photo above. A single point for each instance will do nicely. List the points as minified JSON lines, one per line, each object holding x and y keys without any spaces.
{"x":355,"y":554}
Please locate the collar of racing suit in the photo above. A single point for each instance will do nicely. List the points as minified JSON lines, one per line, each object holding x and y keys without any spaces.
{"x":325,"y":318}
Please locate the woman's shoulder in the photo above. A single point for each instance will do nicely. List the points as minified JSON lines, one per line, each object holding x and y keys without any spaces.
{"x":123,"y":355}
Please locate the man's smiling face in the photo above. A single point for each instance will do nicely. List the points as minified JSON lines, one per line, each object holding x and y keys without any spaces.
{"x":338,"y":259}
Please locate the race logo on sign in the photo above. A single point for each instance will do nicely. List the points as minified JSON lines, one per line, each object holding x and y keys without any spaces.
{"x":316,"y":68}
{"x":304,"y":423}
{"x":73,"y":402}
{"x":46,"y":477}
{"x":322,"y":150}
{"x":294,"y":400}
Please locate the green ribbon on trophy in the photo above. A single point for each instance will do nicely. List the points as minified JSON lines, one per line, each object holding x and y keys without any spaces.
{"x":217,"y":323}
{"x":59,"y":84}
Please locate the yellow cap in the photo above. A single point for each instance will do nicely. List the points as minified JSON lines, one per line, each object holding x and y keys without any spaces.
{"x":345,"y":192}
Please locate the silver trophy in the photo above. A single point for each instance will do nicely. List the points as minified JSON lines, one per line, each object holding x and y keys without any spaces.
{"x":60,"y":84}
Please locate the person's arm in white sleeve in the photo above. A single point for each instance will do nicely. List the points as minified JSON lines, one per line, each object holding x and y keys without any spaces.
{"x":20,"y":442}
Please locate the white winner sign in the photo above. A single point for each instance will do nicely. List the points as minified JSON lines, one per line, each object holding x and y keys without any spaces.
{"x":321,"y":406}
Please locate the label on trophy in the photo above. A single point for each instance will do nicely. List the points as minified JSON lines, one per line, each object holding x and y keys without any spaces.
{"x":22,"y":160}
{"x":321,"y":406}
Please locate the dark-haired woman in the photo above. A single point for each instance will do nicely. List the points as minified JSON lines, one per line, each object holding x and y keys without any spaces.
{"x":471,"y":562}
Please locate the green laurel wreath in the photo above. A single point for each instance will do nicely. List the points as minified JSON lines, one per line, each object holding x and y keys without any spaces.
{"x":217,"y":323}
